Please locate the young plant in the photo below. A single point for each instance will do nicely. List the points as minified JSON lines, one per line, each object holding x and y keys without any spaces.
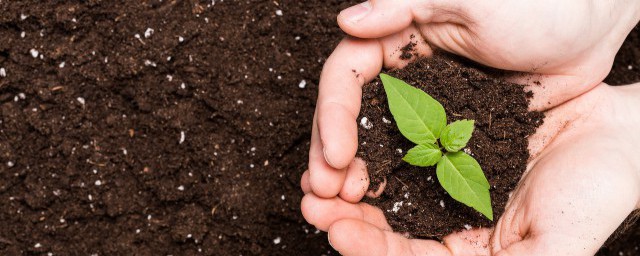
{"x":422,"y":120}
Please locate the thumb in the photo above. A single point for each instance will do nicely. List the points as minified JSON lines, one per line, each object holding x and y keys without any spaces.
{"x":379,"y":18}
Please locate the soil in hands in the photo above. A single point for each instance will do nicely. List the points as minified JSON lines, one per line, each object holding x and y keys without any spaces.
{"x":413,"y":200}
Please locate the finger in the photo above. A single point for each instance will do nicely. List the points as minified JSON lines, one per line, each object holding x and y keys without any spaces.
{"x":353,"y":237}
{"x":356,"y":183}
{"x":403,"y":47}
{"x":374,"y":19}
{"x":304,"y":182}
{"x":323,"y":212}
{"x":469,"y":242}
{"x":378,"y":192}
{"x":353,"y":63}
{"x":324,"y":180}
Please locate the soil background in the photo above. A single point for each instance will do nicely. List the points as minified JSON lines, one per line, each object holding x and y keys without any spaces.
{"x":104,"y":151}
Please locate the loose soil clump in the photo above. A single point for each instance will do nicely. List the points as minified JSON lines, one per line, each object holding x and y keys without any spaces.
{"x":413,"y":200}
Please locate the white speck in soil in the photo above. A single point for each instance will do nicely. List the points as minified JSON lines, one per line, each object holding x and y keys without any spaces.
{"x":34,"y":53}
{"x":282,"y":197}
{"x":266,"y":162}
{"x":279,"y":12}
{"x":406,"y":195}
{"x":183,"y":86}
{"x":429,"y":178}
{"x":253,"y":149}
{"x":23,"y":34}
{"x":234,"y":217}
{"x":137,"y":231}
{"x":23,"y":16}
{"x":189,"y":235}
{"x":149,"y":217}
{"x":170,"y":78}
{"x":630,"y":67}
{"x":62,"y":220}
{"x":181,"y":188}
{"x":95,"y":171}
{"x":251,"y":165}
{"x":467,"y":226}
{"x":81,"y":100}
{"x":365,"y":123}
{"x":302,"y":84}
{"x":240,"y":102}
{"x":148,"y":32}
{"x":442,"y":203}
{"x":396,"y":206}
{"x":385,"y":120}
{"x":180,"y":39}
{"x":279,"y":77}
{"x":182,"y":137}
{"x":37,"y":245}
{"x":399,"y":150}
{"x":150,"y":63}
{"x":10,"y":164}
{"x":98,"y":183}
{"x":467,"y":150}
{"x":277,"y":240}
{"x":297,"y":38}
{"x":3,"y":72}
{"x":62,"y":64}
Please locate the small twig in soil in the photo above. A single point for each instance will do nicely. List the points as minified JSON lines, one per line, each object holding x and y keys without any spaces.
{"x":404,"y":184}
{"x":213,"y":210}
{"x":385,"y":163}
{"x":5,"y":241}
{"x":489,"y":120}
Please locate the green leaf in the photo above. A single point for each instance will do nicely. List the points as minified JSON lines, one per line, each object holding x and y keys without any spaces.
{"x":423,"y":155}
{"x":419,"y":117}
{"x":461,"y":176}
{"x":456,"y":135}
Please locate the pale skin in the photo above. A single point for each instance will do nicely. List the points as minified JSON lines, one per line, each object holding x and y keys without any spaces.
{"x":583,"y":178}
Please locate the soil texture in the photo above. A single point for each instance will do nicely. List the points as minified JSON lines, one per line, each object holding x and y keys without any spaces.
{"x":159,"y":127}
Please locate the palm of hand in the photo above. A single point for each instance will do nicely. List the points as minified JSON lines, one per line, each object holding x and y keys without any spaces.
{"x":557,"y":209}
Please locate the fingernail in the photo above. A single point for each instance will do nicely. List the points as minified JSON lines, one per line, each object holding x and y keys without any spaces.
{"x":324,"y":151}
{"x":329,"y":239}
{"x":357,"y":12}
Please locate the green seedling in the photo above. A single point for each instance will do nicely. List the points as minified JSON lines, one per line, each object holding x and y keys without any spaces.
{"x":423,"y":121}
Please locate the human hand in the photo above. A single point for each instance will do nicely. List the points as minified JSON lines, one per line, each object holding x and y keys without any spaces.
{"x":582,"y":181}
{"x":570,"y":44}
{"x":568,"y":47}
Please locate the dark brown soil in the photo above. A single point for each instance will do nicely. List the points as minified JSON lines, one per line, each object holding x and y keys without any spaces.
{"x":241,"y":64}
{"x":413,"y":200}
{"x":91,"y":159}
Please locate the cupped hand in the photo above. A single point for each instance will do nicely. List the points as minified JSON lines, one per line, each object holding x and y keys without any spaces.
{"x":581,"y":183}
{"x":567,"y":46}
